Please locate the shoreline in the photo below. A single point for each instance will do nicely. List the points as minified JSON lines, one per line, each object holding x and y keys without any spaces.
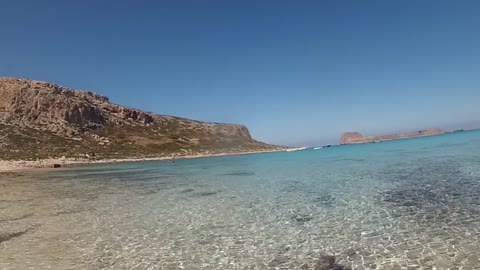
{"x":16,"y":165}
{"x":375,"y":140}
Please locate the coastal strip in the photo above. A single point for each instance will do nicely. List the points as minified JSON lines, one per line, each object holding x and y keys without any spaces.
{"x":15,"y":165}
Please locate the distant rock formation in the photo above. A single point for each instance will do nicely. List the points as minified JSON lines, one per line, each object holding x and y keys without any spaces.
{"x":355,"y":137}
{"x":93,"y":124}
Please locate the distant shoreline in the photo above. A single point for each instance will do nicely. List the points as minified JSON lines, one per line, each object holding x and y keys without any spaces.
{"x":16,"y":165}
{"x":357,"y":138}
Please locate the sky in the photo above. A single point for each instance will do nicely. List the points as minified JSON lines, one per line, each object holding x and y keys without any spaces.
{"x":294,"y":72}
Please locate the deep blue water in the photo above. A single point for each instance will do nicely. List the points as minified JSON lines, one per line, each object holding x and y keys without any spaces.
{"x":405,"y":204}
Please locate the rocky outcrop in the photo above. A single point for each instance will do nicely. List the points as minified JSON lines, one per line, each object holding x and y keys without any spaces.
{"x":355,"y":137}
{"x":47,"y":106}
{"x":91,"y":119}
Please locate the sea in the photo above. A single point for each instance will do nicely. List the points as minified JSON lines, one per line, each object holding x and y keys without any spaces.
{"x":403,"y":204}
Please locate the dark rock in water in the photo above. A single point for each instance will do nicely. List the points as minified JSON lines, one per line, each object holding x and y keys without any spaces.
{"x":408,"y":203}
{"x":321,"y":197}
{"x":240,"y":173}
{"x":325,"y":200}
{"x":327,"y":262}
{"x":206,"y":193}
{"x":432,"y":191}
{"x":350,"y":252}
{"x":340,"y":267}
{"x":302,"y":218}
{"x":4,"y":237}
{"x":55,"y":165}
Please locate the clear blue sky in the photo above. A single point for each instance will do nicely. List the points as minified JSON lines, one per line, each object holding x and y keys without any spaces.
{"x":294,"y":72}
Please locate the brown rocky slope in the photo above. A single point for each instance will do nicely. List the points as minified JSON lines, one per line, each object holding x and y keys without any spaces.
{"x":41,"y":119}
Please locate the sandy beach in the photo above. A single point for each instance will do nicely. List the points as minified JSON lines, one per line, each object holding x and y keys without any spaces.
{"x":12,"y":165}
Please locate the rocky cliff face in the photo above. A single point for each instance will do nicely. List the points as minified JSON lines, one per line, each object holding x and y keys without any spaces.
{"x":47,"y":106}
{"x":89,"y":118}
{"x":355,"y":137}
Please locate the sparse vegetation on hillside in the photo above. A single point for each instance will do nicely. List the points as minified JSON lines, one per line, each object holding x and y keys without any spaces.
{"x":44,"y":120}
{"x":114,"y":142}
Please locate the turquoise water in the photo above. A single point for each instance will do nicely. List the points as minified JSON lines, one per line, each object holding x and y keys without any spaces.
{"x":406,"y":204}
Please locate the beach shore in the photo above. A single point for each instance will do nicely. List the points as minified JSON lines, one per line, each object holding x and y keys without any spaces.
{"x":12,"y":165}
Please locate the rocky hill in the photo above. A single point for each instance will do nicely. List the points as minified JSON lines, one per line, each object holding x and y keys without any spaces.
{"x":41,"y":119}
{"x":355,"y":137}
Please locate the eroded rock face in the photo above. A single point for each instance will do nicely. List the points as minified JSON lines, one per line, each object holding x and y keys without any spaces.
{"x":134,"y":115}
{"x":50,"y":107}
{"x":47,"y":106}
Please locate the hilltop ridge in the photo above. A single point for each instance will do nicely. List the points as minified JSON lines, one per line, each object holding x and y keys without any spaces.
{"x":42,"y":119}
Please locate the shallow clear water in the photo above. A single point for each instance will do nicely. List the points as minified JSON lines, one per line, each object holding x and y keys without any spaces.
{"x":407,"y":204}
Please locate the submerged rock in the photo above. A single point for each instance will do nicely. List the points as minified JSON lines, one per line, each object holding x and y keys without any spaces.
{"x":7,"y":236}
{"x":324,"y":200}
{"x":432,"y":192}
{"x":206,"y":193}
{"x":327,"y":262}
{"x":240,"y":173}
{"x":302,"y":217}
{"x":55,"y":165}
